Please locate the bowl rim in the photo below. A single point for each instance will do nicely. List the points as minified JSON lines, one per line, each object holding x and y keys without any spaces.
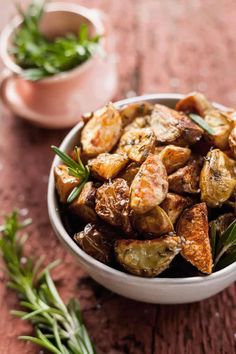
{"x":94,"y":16}
{"x":66,"y":238}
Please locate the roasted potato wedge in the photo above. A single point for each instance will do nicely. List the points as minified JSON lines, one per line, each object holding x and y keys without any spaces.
{"x":102,"y":131}
{"x":172,"y":127}
{"x":130,"y":172}
{"x":232,"y":141}
{"x":223,"y":221}
{"x":84,"y":204}
{"x":137,"y":144}
{"x":185,"y":179}
{"x":147,"y":258}
{"x":217,"y":179}
{"x":97,"y":241}
{"x":155,"y":222}
{"x":138,"y":123}
{"x":132,"y":111}
{"x":106,"y":166}
{"x":150,"y":185}
{"x":112,"y":204}
{"x":174,"y":157}
{"x":174,"y":205}
{"x":193,"y":229}
{"x":64,"y":182}
{"x":195,"y":102}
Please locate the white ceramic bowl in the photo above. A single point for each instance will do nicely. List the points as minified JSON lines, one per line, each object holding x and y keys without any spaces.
{"x":156,"y":290}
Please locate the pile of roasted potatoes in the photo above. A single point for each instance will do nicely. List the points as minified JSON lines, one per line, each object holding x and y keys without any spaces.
{"x":157,"y":180}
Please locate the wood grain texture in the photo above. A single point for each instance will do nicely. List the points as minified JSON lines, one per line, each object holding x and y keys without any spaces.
{"x":162,"y":46}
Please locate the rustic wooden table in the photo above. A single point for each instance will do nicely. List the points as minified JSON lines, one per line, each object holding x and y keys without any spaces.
{"x":163,"y":46}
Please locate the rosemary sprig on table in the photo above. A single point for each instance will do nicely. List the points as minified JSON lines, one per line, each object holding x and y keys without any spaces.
{"x":39,"y":56}
{"x":202,"y":123}
{"x":75,"y":169}
{"x":223,"y":246}
{"x":58,"y":327}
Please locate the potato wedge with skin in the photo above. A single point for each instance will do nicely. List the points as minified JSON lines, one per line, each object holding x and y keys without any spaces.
{"x":147,"y":258}
{"x":84,"y":205}
{"x":174,"y":205}
{"x":112,"y":204}
{"x":130,"y":172}
{"x":107,"y":165}
{"x":64,"y":182}
{"x":138,"y":123}
{"x":172,"y":127}
{"x":192,"y":227}
{"x":150,"y":186}
{"x":174,"y":157}
{"x":217,"y":179}
{"x":97,"y":241}
{"x":155,"y":222}
{"x":232,"y":141}
{"x":185,"y":179}
{"x":194,"y":102}
{"x":102,"y":131}
{"x":132,"y":111}
{"x":137,"y":144}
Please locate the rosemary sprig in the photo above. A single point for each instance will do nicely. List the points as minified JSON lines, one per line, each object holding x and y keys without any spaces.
{"x":202,"y":123}
{"x":223,"y":246}
{"x":58,"y":327}
{"x":75,"y":169}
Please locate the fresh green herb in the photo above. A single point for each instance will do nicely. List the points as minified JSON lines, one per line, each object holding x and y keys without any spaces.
{"x":223,"y":246}
{"x":58,"y":327}
{"x":41,"y":57}
{"x":202,"y":123}
{"x":75,"y":169}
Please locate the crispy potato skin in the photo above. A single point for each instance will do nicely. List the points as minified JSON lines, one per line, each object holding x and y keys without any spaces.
{"x":102,"y":131}
{"x":130,"y":172}
{"x":217,"y":179}
{"x":84,"y":205}
{"x":172,"y":127}
{"x":64,"y":182}
{"x":195,"y":102}
{"x":193,"y":229}
{"x":97,"y":241}
{"x":106,"y":166}
{"x":137,"y":144}
{"x":174,"y":157}
{"x":185,"y":179}
{"x":147,"y":258}
{"x":112,"y":204}
{"x":132,"y":111}
{"x":174,"y":205}
{"x":155,"y":222}
{"x":232,"y":141}
{"x":150,"y":185}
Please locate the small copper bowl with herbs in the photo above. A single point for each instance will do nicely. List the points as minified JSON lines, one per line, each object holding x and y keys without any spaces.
{"x":143,"y":192}
{"x":54,"y":54}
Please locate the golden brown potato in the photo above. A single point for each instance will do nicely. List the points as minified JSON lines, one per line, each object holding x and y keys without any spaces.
{"x":232,"y":141}
{"x":217,"y":179}
{"x":150,"y":185}
{"x":137,"y":144}
{"x":172,"y":127}
{"x":174,"y":157}
{"x":185,"y":179}
{"x":107,"y":165}
{"x":97,"y":241}
{"x":138,"y":123}
{"x":223,"y":221}
{"x":64,"y":182}
{"x":132,"y":111}
{"x":130,"y":172}
{"x":155,"y":222}
{"x":102,"y":131}
{"x":194,"y":102}
{"x":193,"y":229}
{"x":147,"y":258}
{"x":112,"y":204}
{"x":84,"y":204}
{"x":174,"y":205}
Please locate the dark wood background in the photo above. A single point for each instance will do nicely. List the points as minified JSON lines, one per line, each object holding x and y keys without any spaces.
{"x":162,"y":46}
